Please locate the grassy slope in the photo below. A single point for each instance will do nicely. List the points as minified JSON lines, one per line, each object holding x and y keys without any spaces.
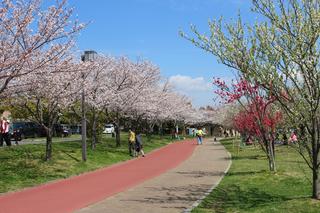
{"x":250,"y":187}
{"x":22,"y":166}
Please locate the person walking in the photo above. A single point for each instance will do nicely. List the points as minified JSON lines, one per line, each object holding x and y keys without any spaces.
{"x":199,"y":135}
{"x":131,"y":142}
{"x":4,"y":130}
{"x":139,"y":146}
{"x":293,"y":138}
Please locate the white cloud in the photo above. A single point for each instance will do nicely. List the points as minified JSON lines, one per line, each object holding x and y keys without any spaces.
{"x":198,"y":89}
{"x":187,"y":84}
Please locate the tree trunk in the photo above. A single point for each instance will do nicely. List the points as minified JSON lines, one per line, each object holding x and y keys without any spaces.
{"x":183,"y":130}
{"x":273,"y":150}
{"x":315,"y":170}
{"x":161,"y":130}
{"x":272,"y":165}
{"x":94,"y":130}
{"x":150,"y":131}
{"x":117,"y":130}
{"x":315,"y":184}
{"x":271,"y":158}
{"x":49,"y":144}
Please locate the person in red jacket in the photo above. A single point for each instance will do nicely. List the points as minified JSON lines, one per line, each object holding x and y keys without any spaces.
{"x":4,"y":130}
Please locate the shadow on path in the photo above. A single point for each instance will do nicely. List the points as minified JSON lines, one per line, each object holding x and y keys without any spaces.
{"x":173,"y":195}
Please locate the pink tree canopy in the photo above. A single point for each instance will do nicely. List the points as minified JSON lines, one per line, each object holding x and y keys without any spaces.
{"x":31,"y":36}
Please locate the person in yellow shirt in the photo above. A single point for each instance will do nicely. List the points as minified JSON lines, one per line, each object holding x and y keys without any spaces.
{"x":199,"y":134}
{"x":131,"y":142}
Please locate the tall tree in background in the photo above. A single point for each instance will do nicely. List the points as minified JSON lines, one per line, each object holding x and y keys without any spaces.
{"x":98,"y":94}
{"x":282,"y":54}
{"x":128,"y":83}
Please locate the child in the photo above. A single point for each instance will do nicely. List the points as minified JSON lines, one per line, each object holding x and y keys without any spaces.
{"x":139,"y":146}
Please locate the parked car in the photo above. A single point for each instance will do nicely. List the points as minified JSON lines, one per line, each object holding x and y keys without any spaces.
{"x":61,"y":130}
{"x":75,"y":129}
{"x":26,"y":129}
{"x":108,"y":129}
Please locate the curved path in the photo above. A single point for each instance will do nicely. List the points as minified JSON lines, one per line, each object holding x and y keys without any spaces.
{"x":77,"y":192}
{"x":170,"y":179}
{"x":176,"y":190}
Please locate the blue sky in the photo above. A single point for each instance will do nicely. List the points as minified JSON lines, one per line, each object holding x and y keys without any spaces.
{"x":149,"y":29}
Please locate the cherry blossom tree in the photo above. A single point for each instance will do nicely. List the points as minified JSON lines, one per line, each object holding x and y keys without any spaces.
{"x":226,"y":113}
{"x":46,"y":92}
{"x":205,"y":115}
{"x":175,"y":107}
{"x":218,"y":116}
{"x":128,"y":82}
{"x":32,"y":36}
{"x":128,"y":90}
{"x":160,"y":104}
{"x":146,"y":111}
{"x":98,"y":94}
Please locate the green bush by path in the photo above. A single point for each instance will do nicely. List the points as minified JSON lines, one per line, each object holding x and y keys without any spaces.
{"x":250,"y":187}
{"x":23,"y":166}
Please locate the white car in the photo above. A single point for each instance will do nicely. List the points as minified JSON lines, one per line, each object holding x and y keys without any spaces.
{"x":108,"y":129}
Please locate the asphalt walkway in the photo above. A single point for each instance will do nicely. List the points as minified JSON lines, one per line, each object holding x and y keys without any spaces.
{"x":170,"y":179}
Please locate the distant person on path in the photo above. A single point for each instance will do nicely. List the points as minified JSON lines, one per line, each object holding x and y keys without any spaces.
{"x":131,"y":142}
{"x":199,"y":135}
{"x":139,"y":145}
{"x":4,"y":130}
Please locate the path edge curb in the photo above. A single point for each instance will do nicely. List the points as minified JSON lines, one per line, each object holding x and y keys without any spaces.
{"x":197,"y":203}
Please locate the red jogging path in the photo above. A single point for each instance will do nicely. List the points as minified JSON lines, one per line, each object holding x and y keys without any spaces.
{"x":80,"y":191}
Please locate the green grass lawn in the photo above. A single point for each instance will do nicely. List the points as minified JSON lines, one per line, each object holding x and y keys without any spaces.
{"x":23,"y":166}
{"x":250,"y":187}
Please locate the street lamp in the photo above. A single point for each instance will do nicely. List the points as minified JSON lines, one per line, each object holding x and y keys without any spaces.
{"x":88,"y":55}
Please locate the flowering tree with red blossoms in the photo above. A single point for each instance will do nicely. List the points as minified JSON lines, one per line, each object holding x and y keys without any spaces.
{"x":258,"y":118}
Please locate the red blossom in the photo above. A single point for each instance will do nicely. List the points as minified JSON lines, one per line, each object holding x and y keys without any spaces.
{"x":257,"y":118}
